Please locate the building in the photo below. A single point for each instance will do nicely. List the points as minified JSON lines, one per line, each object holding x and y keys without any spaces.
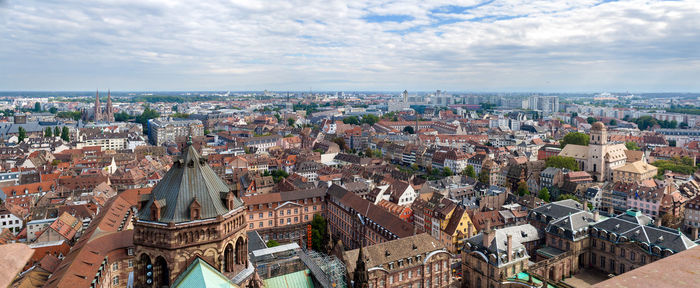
{"x":599,"y":158}
{"x":692,"y":216}
{"x":494,"y":255}
{"x":190,"y":213}
{"x":99,"y":113}
{"x":358,"y":222}
{"x":102,"y":139}
{"x":283,"y":216}
{"x":163,"y":130}
{"x":634,"y":172}
{"x":415,"y":261}
{"x":10,"y":220}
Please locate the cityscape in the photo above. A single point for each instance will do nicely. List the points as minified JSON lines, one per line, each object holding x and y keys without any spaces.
{"x":251,"y":144}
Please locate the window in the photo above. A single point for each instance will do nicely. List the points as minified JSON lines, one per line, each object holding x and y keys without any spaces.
{"x":252,"y":226}
{"x":260,"y":224}
{"x":296,"y":210}
{"x":602,"y":262}
{"x":289,"y":220}
{"x":410,"y":273}
{"x":115,"y":266}
{"x":306,"y":217}
{"x":250,"y":216}
{"x":401,"y":276}
{"x":269,"y":222}
{"x":260,"y":215}
{"x":115,"y":280}
{"x":632,"y":256}
{"x":306,"y":209}
{"x":391,"y":279}
{"x":289,"y":211}
{"x":296,"y":219}
{"x":269,"y":214}
{"x":131,"y":263}
{"x":281,"y":221}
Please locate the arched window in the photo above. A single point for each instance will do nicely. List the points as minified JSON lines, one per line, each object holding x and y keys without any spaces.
{"x":229,"y":258}
{"x":161,"y":273}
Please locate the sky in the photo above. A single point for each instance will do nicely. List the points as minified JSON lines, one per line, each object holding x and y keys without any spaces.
{"x":453,"y":45}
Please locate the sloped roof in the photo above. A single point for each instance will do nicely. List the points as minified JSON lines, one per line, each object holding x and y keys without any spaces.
{"x":189,"y":178}
{"x":382,"y":253}
{"x":201,"y":274}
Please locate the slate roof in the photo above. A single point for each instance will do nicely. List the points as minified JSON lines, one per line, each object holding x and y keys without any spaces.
{"x":635,"y":226}
{"x":574,"y":226}
{"x":498,"y":246}
{"x":190,"y":177}
{"x":379,"y":255}
{"x":556,"y":210}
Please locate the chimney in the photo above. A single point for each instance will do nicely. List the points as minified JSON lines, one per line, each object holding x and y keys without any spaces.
{"x":585,"y":205}
{"x":596,"y":216}
{"x":510,"y":247}
{"x":487,"y":235}
{"x":610,"y":211}
{"x":659,"y":222}
{"x":694,"y":234}
{"x":469,"y":229}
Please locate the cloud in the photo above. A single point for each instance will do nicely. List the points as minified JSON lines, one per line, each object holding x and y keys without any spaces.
{"x":471,"y":45}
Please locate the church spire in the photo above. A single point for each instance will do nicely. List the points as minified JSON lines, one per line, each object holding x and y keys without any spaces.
{"x":108,"y":109}
{"x":360,"y":279}
{"x":98,"y":109}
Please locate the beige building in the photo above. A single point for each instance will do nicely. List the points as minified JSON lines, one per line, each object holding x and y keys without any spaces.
{"x":415,"y":261}
{"x":599,"y":158}
{"x":634,"y":172}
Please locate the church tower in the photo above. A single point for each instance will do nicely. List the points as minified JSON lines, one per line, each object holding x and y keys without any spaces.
{"x":599,"y":134}
{"x":98,"y":109}
{"x":109,"y":111}
{"x":597,"y":148}
{"x":190,"y":213}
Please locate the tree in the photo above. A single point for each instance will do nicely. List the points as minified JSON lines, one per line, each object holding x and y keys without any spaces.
{"x":48,"y":133}
{"x":56,"y":131}
{"x":341,"y":143}
{"x":409,"y":130}
{"x":631,"y":146}
{"x":682,"y":165}
{"x":22,"y":134}
{"x":591,"y":120}
{"x":370,"y":119}
{"x":53,"y":110}
{"x":522,"y":188}
{"x":351,"y":120}
{"x":612,"y":122}
{"x":65,"y":134}
{"x":447,"y":172}
{"x":122,"y":117}
{"x":568,"y":196}
{"x":484,"y":176}
{"x":272,"y":243}
{"x":577,"y":138}
{"x":206,"y":131}
{"x":469,"y":171}
{"x":147,"y":114}
{"x":562,"y":162}
{"x":290,"y":122}
{"x":37,"y":107}
{"x":544,"y":194}
{"x":319,"y":234}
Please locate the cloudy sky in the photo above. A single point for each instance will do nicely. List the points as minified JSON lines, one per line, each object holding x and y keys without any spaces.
{"x":456,"y":45}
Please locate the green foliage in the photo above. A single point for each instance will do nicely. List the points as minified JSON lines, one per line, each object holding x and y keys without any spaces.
{"x":679,"y":165}
{"x":522,"y":188}
{"x":577,"y":138}
{"x":631,"y":146}
{"x":319,"y":234}
{"x":279,"y":118}
{"x":122,"y":117}
{"x":56,"y":131}
{"x":447,"y":172}
{"x":53,"y":110}
{"x":469,"y":171}
{"x":277,"y":175}
{"x":370,"y":119}
{"x":48,"y":132}
{"x":341,"y":143}
{"x":612,"y":122}
{"x":290,"y":122}
{"x":272,"y":243}
{"x":65,"y":134}
{"x":206,"y":131}
{"x":351,"y":120}
{"x":180,"y":115}
{"x":646,"y":122}
{"x":568,"y":196}
{"x":37,"y":107}
{"x":22,"y":134}
{"x":544,"y":194}
{"x":484,"y":176}
{"x":562,"y":162}
{"x":309,"y":108}
{"x":409,"y":130}
{"x":75,"y":115}
{"x":591,"y":120}
{"x":147,"y":114}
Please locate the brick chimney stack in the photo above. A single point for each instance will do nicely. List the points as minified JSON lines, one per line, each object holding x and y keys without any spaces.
{"x":509,"y":248}
{"x":487,"y":235}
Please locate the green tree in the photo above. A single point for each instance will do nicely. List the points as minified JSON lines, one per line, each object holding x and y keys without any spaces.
{"x":341,"y":143}
{"x":409,"y":130}
{"x":48,"y":132}
{"x":56,"y":131}
{"x":568,"y":196}
{"x":319,"y":234}
{"x":180,"y":115}
{"x":37,"y":107}
{"x":562,"y":162}
{"x":577,"y":138}
{"x":447,"y":172}
{"x":279,"y":118}
{"x":591,"y":120}
{"x":612,"y":122}
{"x":122,"y":117}
{"x":370,"y":119}
{"x":544,"y":194}
{"x":53,"y":110}
{"x":65,"y":134}
{"x":351,"y":120}
{"x":484,"y":176}
{"x":147,"y":114}
{"x":290,"y":122}
{"x":522,"y":188}
{"x":22,"y":134}
{"x":631,"y":146}
{"x":682,"y":165}
{"x":272,"y":243}
{"x":469,"y":171}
